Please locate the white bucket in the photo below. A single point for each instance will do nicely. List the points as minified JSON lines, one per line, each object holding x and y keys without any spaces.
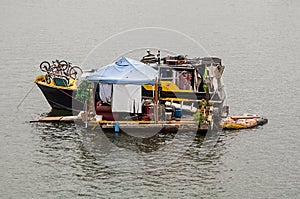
{"x":98,"y":117}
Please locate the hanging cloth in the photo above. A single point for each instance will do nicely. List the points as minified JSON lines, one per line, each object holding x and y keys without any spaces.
{"x":127,"y":98}
{"x":105,"y":91}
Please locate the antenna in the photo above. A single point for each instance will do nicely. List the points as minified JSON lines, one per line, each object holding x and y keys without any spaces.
{"x":158,"y":57}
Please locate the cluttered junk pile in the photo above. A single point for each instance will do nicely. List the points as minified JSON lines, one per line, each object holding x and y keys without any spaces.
{"x":169,"y":92}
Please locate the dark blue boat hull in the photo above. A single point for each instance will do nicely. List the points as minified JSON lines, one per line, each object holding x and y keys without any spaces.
{"x":60,"y":98}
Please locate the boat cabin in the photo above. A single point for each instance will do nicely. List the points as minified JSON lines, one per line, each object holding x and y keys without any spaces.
{"x":132,"y":90}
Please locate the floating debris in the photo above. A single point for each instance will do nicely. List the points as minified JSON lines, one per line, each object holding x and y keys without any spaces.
{"x":243,"y":121}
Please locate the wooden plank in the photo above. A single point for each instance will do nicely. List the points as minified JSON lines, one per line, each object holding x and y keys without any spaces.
{"x":68,"y":118}
{"x":50,"y":119}
{"x":56,"y":119}
{"x":235,"y":117}
{"x":123,"y":123}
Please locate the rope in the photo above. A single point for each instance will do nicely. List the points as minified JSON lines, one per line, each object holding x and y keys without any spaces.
{"x":65,"y":107}
{"x":20,"y":103}
{"x":69,"y":95}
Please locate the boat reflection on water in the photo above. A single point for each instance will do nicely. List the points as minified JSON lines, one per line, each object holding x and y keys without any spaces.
{"x":174,"y":142}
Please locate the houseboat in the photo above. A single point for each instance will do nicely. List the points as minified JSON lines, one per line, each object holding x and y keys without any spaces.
{"x":173,"y":92}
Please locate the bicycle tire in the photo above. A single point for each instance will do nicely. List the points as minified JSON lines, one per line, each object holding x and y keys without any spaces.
{"x":64,"y":64}
{"x":45,"y":66}
{"x":75,"y":72}
{"x":48,"y":78}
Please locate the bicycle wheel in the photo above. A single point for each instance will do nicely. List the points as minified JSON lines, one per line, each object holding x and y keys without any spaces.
{"x":75,"y":72}
{"x":64,"y":64}
{"x":45,"y":66}
{"x":48,"y":78}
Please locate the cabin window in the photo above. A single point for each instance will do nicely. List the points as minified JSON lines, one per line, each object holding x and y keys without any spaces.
{"x":166,"y":74}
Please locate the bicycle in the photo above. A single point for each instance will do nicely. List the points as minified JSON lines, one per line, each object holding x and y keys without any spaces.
{"x":66,"y":68}
{"x":45,"y":65}
{"x":52,"y":74}
{"x":60,"y":69}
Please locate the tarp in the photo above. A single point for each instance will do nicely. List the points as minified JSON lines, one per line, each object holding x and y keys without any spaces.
{"x":125,"y":71}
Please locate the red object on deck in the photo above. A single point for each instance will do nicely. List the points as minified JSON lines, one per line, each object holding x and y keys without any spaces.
{"x":106,"y":113}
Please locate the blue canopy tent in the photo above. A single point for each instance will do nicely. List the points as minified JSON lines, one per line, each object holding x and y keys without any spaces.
{"x":125,"y":71}
{"x":126,"y":76}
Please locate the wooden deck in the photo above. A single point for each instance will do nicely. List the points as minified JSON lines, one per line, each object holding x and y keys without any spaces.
{"x":184,"y":123}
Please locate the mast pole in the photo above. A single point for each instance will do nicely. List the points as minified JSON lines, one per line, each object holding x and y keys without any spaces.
{"x":156,"y":87}
{"x":156,"y":100}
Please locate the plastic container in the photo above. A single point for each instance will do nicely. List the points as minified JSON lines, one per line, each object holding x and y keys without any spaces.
{"x":98,"y":117}
{"x":178,"y":112}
